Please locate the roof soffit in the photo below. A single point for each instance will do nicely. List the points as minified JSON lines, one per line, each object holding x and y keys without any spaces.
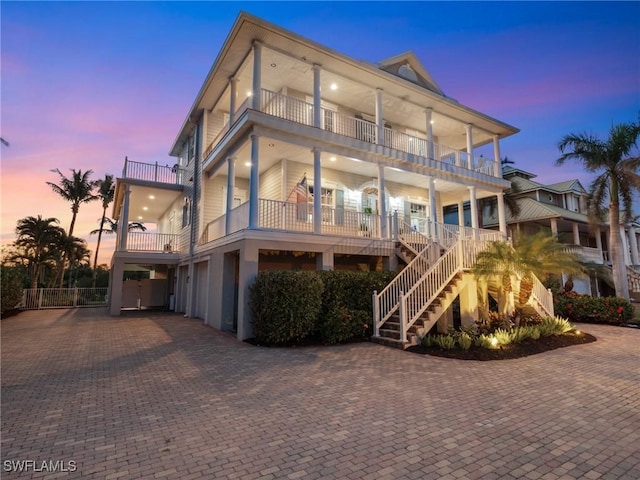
{"x":249,"y":28}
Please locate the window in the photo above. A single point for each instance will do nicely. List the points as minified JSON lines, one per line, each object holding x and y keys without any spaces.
{"x":418,"y":210}
{"x":327,"y":202}
{"x":186,"y":212}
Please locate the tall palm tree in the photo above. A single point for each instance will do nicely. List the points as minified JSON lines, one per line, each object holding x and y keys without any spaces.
{"x":536,"y":255}
{"x":106,"y":191}
{"x":37,"y":237}
{"x":616,"y":182}
{"x":76,"y":190}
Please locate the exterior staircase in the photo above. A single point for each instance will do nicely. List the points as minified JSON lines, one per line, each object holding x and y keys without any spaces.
{"x":436,"y":273}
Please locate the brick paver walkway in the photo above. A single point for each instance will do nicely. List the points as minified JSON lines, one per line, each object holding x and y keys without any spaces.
{"x":161,"y":396}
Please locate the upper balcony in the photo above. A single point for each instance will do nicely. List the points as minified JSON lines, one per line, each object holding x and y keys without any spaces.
{"x":420,"y":151}
{"x":152,"y":172}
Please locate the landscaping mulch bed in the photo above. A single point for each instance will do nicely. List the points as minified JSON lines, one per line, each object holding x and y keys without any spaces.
{"x":516,"y":350}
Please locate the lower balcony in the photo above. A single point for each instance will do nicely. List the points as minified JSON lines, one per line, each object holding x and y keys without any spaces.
{"x":152,"y":242}
{"x":341,"y":222}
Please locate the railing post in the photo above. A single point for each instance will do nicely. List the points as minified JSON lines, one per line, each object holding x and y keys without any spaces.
{"x":376,"y":314}
{"x":40,"y":291}
{"x":75,"y":297}
{"x":551,"y":307}
{"x":403,"y":318}
{"x":124,"y":169}
{"x":460,"y":252}
{"x":155,"y":173}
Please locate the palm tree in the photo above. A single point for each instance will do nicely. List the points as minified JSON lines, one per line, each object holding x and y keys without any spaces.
{"x":537,"y":255}
{"x":106,"y":190}
{"x":113,"y":227}
{"x":616,"y":182}
{"x":37,"y":237}
{"x":73,"y":248}
{"x":77,"y":190}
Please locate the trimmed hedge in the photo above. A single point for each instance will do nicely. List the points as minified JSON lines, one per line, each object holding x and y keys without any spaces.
{"x":347,"y":311}
{"x":328,"y":306}
{"x":584,"y":308}
{"x":284,"y":305}
{"x":11,"y":290}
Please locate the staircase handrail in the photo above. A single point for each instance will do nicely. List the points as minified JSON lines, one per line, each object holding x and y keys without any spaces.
{"x":388,"y":300}
{"x":410,"y":237}
{"x":419,"y":297}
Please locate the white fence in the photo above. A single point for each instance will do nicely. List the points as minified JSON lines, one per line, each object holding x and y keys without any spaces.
{"x":39,"y":298}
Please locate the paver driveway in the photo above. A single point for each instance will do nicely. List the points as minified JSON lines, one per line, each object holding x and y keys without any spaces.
{"x":161,"y":396}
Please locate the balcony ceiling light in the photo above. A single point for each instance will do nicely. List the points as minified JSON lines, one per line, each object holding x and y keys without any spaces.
{"x":334,"y":86}
{"x":249,"y":93}
{"x":332,"y":159}
{"x":152,"y":197}
{"x":432,"y":122}
{"x":247,"y":164}
{"x":145,"y":208}
{"x":139,"y":218}
{"x":273,"y":65}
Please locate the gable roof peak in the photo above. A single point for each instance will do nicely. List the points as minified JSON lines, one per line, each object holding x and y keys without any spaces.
{"x":406,"y":65}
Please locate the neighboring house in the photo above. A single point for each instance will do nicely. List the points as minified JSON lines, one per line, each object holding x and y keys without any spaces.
{"x":295,"y":156}
{"x":561,"y":209}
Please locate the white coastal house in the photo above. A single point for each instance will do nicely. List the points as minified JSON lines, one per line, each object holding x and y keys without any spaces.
{"x":296,"y":156}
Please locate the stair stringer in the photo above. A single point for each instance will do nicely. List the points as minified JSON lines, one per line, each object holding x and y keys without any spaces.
{"x":430,"y":317}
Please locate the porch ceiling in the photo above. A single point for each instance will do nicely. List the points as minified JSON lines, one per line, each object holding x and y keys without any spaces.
{"x":273,"y":151}
{"x":146,"y":203}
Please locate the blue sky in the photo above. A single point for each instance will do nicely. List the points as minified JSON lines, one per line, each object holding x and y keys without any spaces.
{"x":84,"y":84}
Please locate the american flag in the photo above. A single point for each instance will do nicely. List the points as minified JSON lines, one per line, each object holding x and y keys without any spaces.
{"x":301,"y":190}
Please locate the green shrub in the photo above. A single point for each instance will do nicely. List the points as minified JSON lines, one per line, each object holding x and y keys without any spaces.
{"x":445,"y":342}
{"x":465,"y":340}
{"x":518,"y":334}
{"x":429,"y":340}
{"x":11,"y":287}
{"x":554,"y":326}
{"x":484,"y":341}
{"x":584,"y":308}
{"x":284,"y":305}
{"x":503,"y":336}
{"x":346,"y":313}
{"x":534,"y":332}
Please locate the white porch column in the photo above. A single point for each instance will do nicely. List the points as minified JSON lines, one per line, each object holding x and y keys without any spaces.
{"x":124,"y":219}
{"x":231,"y":187}
{"x":469,"y":129}
{"x":233,"y":93}
{"x":576,"y":233}
{"x":382,"y":202}
{"x":554,"y":227}
{"x":502,"y":222}
{"x":430,"y":146}
{"x":633,"y":244}
{"x":625,"y":245}
{"x":473,"y":202}
{"x":257,"y":75}
{"x":379,"y":121}
{"x":254,"y":180}
{"x":461,"y":213}
{"x":497,"y":166}
{"x":458,"y":161}
{"x":317,"y":191}
{"x":317,"y":100}
{"x":599,"y":243}
{"x":433,"y":211}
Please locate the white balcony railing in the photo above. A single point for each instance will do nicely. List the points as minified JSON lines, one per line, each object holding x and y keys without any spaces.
{"x":151,"y":172}
{"x":152,"y":242}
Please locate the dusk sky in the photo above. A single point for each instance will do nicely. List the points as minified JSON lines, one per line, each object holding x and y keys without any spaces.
{"x":84,"y":84}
